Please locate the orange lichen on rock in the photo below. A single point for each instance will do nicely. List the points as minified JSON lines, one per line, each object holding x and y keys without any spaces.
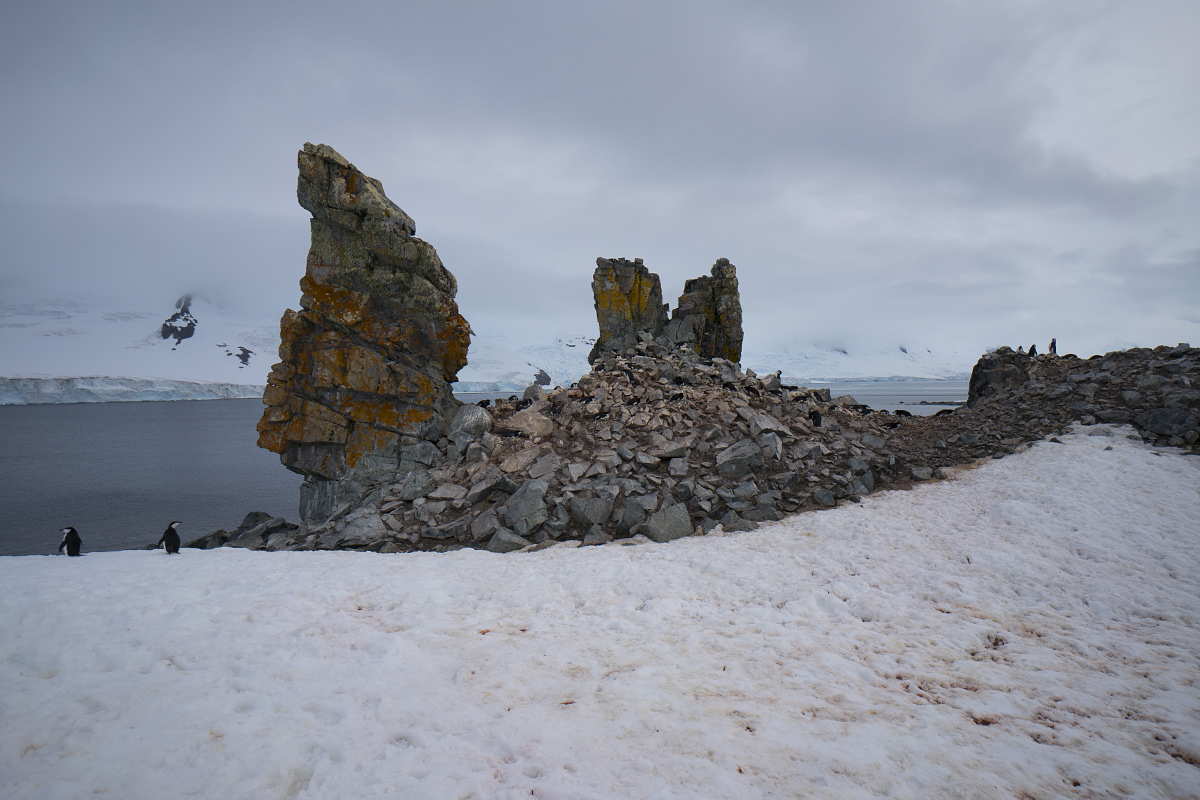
{"x":628,"y":300}
{"x":367,"y":363}
{"x":629,"y":304}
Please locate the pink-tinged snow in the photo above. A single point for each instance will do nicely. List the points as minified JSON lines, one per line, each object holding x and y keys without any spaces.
{"x":1030,"y":628}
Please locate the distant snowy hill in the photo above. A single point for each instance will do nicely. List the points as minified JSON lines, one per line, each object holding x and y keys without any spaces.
{"x":808,"y":363}
{"x":494,"y":365}
{"x":188,"y":349}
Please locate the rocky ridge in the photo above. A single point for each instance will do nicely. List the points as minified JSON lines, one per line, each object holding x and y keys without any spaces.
{"x":657,"y":443}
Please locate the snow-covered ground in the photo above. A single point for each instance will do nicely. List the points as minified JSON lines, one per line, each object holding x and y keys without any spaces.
{"x":1028,"y":629}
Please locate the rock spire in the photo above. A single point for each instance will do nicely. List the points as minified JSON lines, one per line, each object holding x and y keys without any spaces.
{"x":628,"y":302}
{"x":709,"y":314}
{"x":629,"y":308}
{"x":366,"y":364}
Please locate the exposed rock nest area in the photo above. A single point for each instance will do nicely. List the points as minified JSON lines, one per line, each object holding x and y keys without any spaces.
{"x":656,"y":443}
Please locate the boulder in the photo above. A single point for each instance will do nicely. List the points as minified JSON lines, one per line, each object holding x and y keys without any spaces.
{"x":1003,"y":368}
{"x":589,"y":510}
{"x":417,"y":483}
{"x":669,"y":523}
{"x":471,"y":421}
{"x":1167,"y":421}
{"x":739,"y":458}
{"x":505,"y":541}
{"x":525,"y":510}
{"x":529,"y":422}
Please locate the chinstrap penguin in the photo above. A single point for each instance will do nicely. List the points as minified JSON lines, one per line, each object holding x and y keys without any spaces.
{"x":71,"y":541}
{"x":170,"y":539}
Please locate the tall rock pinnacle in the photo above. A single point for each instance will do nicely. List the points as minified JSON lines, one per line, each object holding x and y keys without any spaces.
{"x":367,"y":363}
{"x":628,"y":301}
{"x":709,"y":314}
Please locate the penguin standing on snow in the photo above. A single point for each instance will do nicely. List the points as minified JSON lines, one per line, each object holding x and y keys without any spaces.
{"x":170,"y":539}
{"x":71,"y":541}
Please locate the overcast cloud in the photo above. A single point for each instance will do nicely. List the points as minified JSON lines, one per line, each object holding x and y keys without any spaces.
{"x":963,"y":174}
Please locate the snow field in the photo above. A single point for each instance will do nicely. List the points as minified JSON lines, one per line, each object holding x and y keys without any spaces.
{"x":1030,"y":628}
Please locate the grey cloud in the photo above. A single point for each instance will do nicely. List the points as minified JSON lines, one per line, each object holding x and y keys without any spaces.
{"x":873,"y":165}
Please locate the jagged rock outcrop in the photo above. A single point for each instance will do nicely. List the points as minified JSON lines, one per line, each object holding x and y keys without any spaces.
{"x":662,"y":444}
{"x":367,"y":363}
{"x":629,"y":309}
{"x":1157,"y":391}
{"x":709,"y":314}
{"x":628,"y":302}
{"x":182,"y":324}
{"x":1003,"y":368}
{"x":256,"y":529}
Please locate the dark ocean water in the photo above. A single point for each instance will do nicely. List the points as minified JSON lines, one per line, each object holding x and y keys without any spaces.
{"x":916,"y":397}
{"x":119,"y":472}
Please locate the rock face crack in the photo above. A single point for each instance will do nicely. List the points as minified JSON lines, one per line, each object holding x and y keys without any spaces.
{"x":366,"y":365}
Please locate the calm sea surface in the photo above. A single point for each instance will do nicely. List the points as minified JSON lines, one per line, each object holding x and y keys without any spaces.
{"x":119,"y":472}
{"x":916,"y":397}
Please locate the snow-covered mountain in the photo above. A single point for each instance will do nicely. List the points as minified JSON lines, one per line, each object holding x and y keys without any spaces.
{"x":191,"y":349}
{"x":84,"y":352}
{"x":496,"y":365}
{"x":811,"y":363}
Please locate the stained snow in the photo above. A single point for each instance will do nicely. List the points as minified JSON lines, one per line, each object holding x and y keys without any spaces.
{"x":1030,"y":628}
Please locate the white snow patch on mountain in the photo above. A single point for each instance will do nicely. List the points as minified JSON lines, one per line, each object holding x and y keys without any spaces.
{"x":495,"y":364}
{"x":811,"y":362}
{"x":89,"y":344}
{"x":1030,"y":628}
{"x":564,"y":359}
{"x":78,"y":340}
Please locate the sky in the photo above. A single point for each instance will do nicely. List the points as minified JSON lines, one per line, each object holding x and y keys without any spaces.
{"x":936,"y":173}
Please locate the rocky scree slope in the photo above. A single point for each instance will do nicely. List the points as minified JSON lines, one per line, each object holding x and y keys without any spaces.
{"x":656,"y":444}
